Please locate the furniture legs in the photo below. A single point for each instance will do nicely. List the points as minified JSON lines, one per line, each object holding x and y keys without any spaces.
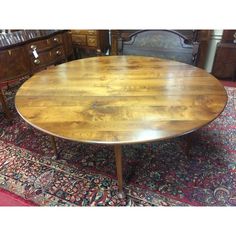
{"x":54,"y":146}
{"x":4,"y":104}
{"x":8,"y":115}
{"x":118,"y":157}
{"x":188,"y":142}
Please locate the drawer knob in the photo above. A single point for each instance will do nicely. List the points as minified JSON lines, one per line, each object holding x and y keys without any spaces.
{"x":37,"y":61}
{"x":58,"y":52}
{"x":33,"y":47}
{"x":55,"y":39}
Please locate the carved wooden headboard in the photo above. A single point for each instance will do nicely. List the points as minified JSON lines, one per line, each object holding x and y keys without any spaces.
{"x":167,"y":44}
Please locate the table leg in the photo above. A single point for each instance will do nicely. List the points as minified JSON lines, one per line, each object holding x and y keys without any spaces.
{"x":118,"y":156}
{"x":188,"y":143}
{"x":54,"y":146}
{"x":4,"y":105}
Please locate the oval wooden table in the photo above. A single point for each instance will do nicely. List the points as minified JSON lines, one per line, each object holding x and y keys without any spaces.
{"x":120,"y":100}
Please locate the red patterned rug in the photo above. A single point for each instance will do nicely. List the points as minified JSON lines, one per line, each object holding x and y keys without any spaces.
{"x":157,"y":174}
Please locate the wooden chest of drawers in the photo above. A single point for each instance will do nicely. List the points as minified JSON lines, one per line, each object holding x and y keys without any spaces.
{"x":48,"y":51}
{"x":90,"y":42}
{"x":33,"y":54}
{"x":14,"y":63}
{"x":25,"y":52}
{"x":224,"y":66}
{"x":46,"y":58}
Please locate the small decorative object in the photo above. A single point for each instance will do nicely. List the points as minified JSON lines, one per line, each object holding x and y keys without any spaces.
{"x":234,"y":37}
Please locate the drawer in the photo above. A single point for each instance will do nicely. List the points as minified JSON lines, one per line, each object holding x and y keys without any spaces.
{"x":58,"y":53}
{"x":84,"y":32}
{"x":92,"y":41}
{"x":79,"y":39}
{"x":47,"y":58}
{"x":92,"y":32}
{"x":39,"y":45}
{"x":56,"y":40}
{"x":43,"y":60}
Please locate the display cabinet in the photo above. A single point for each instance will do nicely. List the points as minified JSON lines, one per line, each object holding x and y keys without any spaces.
{"x":90,"y":42}
{"x":224,"y":66}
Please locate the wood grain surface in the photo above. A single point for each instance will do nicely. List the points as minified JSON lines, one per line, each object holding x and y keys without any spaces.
{"x":120,"y":99}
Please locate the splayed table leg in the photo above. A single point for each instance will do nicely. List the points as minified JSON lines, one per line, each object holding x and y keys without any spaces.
{"x":54,"y":146}
{"x":4,"y":105}
{"x":118,"y":156}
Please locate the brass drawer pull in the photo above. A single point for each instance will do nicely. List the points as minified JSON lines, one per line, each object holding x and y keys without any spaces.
{"x":91,"y":31}
{"x":91,"y":40}
{"x":58,"y":52}
{"x":55,"y":39}
{"x":33,"y":47}
{"x":37,"y":61}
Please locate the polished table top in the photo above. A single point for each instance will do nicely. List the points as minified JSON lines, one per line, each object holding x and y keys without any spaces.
{"x":120,"y":99}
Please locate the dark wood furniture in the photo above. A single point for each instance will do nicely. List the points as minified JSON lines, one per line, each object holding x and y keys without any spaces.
{"x":129,"y":99}
{"x":224,"y":66}
{"x":22,"y":53}
{"x":167,"y":44}
{"x":192,"y":35}
{"x":228,"y":36}
{"x":52,"y":50}
{"x":202,"y":37}
{"x":15,"y":63}
{"x":90,"y":42}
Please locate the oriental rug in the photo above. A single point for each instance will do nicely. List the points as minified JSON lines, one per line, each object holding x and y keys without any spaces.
{"x":156,"y":174}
